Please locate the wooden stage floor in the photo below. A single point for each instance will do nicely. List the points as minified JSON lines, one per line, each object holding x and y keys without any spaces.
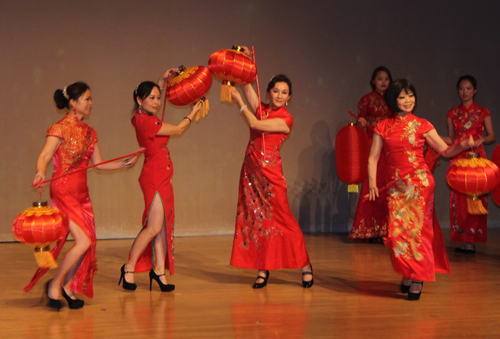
{"x":355,"y":296}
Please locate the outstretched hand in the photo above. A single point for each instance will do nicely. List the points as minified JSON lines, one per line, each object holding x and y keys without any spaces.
{"x":236,"y":96}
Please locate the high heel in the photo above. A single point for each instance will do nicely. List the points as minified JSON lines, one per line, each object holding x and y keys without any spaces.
{"x":405,"y":288}
{"x":262,"y":284}
{"x":53,"y":303}
{"x":163,"y":287}
{"x":307,"y":284}
{"x":415,"y":296}
{"x":73,"y":304}
{"x":126,"y":284}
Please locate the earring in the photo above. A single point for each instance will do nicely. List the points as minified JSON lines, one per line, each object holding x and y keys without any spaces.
{"x":74,"y":112}
{"x":286,"y":103}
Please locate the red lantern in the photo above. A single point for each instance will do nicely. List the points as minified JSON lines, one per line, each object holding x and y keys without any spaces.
{"x":495,"y":158}
{"x":232,"y":66}
{"x":40,"y":226}
{"x":351,"y":155}
{"x":473,"y":176}
{"x":189,"y":85}
{"x":431,"y":158}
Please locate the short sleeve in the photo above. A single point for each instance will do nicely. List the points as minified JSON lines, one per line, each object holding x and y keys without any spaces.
{"x":450,"y":114}
{"x":147,"y":125}
{"x":288,"y":119}
{"x":426,"y":126}
{"x":55,"y":131}
{"x":380,"y":128}
{"x":485,"y":113}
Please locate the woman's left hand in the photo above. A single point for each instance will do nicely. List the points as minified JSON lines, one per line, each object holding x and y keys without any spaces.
{"x":195,"y":107}
{"x":168,"y":73}
{"x":133,"y":160}
{"x":475,"y":143}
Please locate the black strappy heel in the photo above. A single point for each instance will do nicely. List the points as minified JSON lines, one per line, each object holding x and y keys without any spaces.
{"x":73,"y":304}
{"x":262,"y":284}
{"x":126,"y":284}
{"x":307,"y":284}
{"x":163,"y":287}
{"x":415,"y":296}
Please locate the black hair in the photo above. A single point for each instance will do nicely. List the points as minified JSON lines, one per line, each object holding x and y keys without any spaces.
{"x":143,"y":90}
{"x":280,"y":78}
{"x":469,"y":78}
{"x":73,"y":91}
{"x":392,"y":93}
{"x":376,"y":71}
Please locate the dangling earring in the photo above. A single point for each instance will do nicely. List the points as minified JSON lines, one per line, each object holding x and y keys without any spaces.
{"x":74,"y":112}
{"x":286,"y":103}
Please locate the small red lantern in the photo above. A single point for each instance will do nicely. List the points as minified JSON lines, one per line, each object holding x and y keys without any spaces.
{"x":351,"y":156}
{"x":495,"y":158}
{"x":189,"y":85}
{"x":473,"y":176}
{"x":232,"y":66}
{"x":40,"y":226}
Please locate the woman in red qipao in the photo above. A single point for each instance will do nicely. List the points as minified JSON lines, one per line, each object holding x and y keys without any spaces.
{"x":414,"y":237}
{"x":71,"y":144}
{"x":267,"y":237}
{"x":153,"y":249}
{"x":463,"y":120}
{"x":370,"y":221}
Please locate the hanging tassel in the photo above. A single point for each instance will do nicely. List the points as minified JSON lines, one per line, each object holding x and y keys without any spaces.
{"x":203,"y":110}
{"x":225,"y":93}
{"x":353,"y":188}
{"x":44,"y":257}
{"x":475,"y":205}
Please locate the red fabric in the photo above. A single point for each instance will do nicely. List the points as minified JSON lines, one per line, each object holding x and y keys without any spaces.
{"x":70,"y":195}
{"x":370,"y":220}
{"x":267,"y":237}
{"x":156,"y":182}
{"x":467,"y":227}
{"x":414,"y":237}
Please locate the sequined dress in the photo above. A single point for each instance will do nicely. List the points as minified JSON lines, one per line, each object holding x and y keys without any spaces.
{"x":414,"y":237}
{"x":370,"y":220}
{"x":467,"y":227}
{"x":70,"y":195}
{"x":267,"y":237}
{"x":156,"y":183}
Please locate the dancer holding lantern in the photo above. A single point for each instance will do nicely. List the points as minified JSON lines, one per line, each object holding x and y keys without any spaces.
{"x":267,"y":237}
{"x":414,"y":237}
{"x":370,"y":221}
{"x":468,"y":119}
{"x":71,"y":144}
{"x":156,"y":239}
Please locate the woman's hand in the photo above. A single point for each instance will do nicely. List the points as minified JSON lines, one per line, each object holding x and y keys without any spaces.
{"x":473,"y":144}
{"x":361,"y":122}
{"x":133,"y":160}
{"x":247,"y":51}
{"x":373,"y":193}
{"x":168,"y":73}
{"x":195,"y":107}
{"x":236,"y":96}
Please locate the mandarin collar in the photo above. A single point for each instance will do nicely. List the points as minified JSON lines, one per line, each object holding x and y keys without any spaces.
{"x":471,"y":106}
{"x":405,"y":118}
{"x":74,"y":120}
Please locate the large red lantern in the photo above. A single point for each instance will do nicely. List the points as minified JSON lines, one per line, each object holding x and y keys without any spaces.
{"x":189,"y":85}
{"x":473,"y":176}
{"x":351,"y":155}
{"x":232,"y":66}
{"x":495,"y":158}
{"x":40,"y":226}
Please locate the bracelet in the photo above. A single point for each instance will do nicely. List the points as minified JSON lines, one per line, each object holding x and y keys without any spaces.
{"x":242,"y":108}
{"x":187,"y":118}
{"x":127,"y":164}
{"x":40,"y":174}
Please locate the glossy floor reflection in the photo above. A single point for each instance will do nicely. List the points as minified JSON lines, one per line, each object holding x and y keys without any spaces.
{"x":355,"y":296}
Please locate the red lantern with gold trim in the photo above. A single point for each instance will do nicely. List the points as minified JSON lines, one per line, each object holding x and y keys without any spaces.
{"x":351,"y":156}
{"x":189,"y":85}
{"x":473,"y":176}
{"x":495,"y":158}
{"x":232,"y":66}
{"x":40,"y":226}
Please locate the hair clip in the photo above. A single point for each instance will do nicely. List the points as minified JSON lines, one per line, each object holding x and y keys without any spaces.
{"x":65,"y":94}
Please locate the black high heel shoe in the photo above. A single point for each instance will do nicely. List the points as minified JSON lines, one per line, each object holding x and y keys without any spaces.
{"x":415,"y":296}
{"x":262,"y":284}
{"x":405,"y":288}
{"x":163,"y":287}
{"x":126,"y":284}
{"x":307,"y":284}
{"x":73,"y":304}
{"x":53,"y":303}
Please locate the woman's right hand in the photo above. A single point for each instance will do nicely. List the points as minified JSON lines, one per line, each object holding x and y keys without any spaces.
{"x":373,"y":193}
{"x":168,"y":73}
{"x":36,"y":182}
{"x":361,"y":122}
{"x":247,"y":51}
{"x":236,"y":96}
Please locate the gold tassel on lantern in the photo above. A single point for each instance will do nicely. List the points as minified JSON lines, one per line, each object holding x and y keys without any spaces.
{"x":475,"y":205}
{"x":353,"y":188}
{"x":203,"y":110}
{"x":44,"y":257}
{"x":226,"y":89}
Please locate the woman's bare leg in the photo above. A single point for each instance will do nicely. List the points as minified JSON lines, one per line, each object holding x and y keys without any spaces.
{"x":160,"y":248}
{"x":71,"y":260}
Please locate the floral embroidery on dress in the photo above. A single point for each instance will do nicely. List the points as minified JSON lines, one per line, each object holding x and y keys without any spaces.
{"x":410,"y":131}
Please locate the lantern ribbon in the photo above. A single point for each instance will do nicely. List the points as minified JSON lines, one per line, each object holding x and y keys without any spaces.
{"x":354,"y":115}
{"x":86,"y":168}
{"x":260,"y":104}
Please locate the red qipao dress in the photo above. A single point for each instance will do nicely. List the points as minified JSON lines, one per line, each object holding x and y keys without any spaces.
{"x":70,"y":195}
{"x":467,"y":227}
{"x":267,"y":236}
{"x":156,"y":183}
{"x":370,"y":220}
{"x":414,"y":237}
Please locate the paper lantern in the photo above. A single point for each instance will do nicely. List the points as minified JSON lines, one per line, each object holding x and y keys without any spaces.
{"x":473,"y":176}
{"x":495,"y":158}
{"x":232,"y":66}
{"x":351,"y":155}
{"x":189,"y":85}
{"x":40,"y":226}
